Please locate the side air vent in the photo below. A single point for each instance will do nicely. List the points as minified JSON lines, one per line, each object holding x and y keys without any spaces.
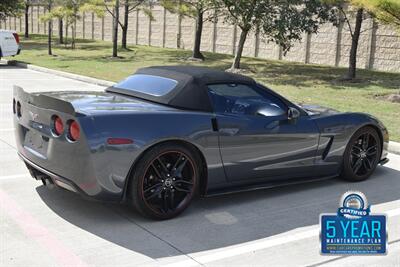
{"x":327,"y":148}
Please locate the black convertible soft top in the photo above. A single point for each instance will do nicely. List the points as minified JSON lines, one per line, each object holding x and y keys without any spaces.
{"x":191,"y":89}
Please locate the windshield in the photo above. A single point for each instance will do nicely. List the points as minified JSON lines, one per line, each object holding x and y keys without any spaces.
{"x":147,"y":84}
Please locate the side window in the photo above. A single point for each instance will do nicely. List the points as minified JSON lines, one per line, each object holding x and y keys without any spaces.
{"x":244,"y":99}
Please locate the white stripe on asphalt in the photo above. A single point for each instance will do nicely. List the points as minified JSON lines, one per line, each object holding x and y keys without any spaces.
{"x":247,"y":247}
{"x":260,"y":244}
{"x":14,"y":176}
{"x":250,"y":247}
{"x":393,"y":213}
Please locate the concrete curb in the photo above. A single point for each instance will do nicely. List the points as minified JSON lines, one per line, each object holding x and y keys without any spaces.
{"x":62,"y":74}
{"x":394,"y":147}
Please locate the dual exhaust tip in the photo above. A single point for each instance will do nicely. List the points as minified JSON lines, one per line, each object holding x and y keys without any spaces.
{"x":48,"y":181}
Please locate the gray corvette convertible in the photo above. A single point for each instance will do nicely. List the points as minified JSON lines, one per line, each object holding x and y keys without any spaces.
{"x":166,"y":134}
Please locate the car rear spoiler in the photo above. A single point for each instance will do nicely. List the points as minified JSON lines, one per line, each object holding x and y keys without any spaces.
{"x":43,"y":101}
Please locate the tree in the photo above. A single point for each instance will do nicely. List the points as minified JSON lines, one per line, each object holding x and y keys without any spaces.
{"x":280,"y":21}
{"x":129,"y":7}
{"x":61,"y":30}
{"x":57,"y":13}
{"x":27,"y":5}
{"x":387,"y":11}
{"x":67,"y":11}
{"x":198,"y":10}
{"x":115,"y":29}
{"x":112,"y":7}
{"x":49,"y":19}
{"x":346,"y":10}
{"x":10,"y":8}
{"x":50,"y":28}
{"x":70,"y":13}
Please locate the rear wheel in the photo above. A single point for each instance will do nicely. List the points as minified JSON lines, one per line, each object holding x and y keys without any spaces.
{"x":164,"y":181}
{"x":362,"y":155}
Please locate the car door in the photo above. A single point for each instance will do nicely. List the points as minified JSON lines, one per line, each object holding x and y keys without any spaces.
{"x":258,"y":141}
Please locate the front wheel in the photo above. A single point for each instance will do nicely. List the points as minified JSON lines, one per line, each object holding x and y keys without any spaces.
{"x":164,"y":181}
{"x":362,"y":155}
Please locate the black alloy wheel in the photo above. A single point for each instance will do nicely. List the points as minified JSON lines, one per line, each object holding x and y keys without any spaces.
{"x":167,"y":182}
{"x":362,"y":155}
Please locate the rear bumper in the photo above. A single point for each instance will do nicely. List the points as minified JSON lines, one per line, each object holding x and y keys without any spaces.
{"x":40,"y":173}
{"x":43,"y":174}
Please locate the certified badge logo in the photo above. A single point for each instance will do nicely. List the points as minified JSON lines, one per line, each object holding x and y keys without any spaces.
{"x":353,"y":205}
{"x":353,"y":230}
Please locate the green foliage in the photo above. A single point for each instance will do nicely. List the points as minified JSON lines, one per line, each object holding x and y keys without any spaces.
{"x":344,"y":3}
{"x":48,"y":5}
{"x":95,"y":6}
{"x":68,"y":10}
{"x":148,"y":13}
{"x":191,"y":8}
{"x":101,"y":7}
{"x":279,"y":21}
{"x":10,"y":8}
{"x":387,"y":11}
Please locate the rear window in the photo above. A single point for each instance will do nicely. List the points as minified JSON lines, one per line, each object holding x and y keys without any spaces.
{"x":147,"y":84}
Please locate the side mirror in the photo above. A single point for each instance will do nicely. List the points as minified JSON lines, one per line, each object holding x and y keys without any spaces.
{"x":293,"y":113}
{"x":269,"y":111}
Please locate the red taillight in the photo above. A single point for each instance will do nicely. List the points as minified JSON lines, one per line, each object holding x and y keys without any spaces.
{"x":58,"y":126}
{"x":74,"y":131}
{"x":16,"y":36}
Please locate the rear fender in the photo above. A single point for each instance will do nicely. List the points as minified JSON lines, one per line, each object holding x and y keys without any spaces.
{"x":147,"y":130}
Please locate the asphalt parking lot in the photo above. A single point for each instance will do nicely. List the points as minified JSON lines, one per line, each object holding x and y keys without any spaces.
{"x":42,"y":227}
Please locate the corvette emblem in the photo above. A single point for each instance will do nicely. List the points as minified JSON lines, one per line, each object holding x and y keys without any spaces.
{"x":34,"y":116}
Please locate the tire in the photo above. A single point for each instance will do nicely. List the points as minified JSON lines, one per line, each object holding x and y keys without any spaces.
{"x":361,"y":158}
{"x":164,"y":181}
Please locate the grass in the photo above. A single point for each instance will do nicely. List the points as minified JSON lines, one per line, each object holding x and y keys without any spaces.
{"x":313,"y":84}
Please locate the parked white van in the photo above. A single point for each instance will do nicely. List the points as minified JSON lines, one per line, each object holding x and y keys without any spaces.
{"x":9,"y":43}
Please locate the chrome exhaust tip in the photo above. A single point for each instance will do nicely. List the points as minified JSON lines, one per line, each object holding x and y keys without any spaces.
{"x":48,"y":183}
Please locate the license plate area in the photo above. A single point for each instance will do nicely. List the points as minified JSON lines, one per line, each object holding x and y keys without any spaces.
{"x":36,"y":143}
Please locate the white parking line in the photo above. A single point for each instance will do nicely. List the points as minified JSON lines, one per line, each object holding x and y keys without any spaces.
{"x":247,"y":247}
{"x":252,"y":246}
{"x":13,"y":176}
{"x":393,"y":213}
